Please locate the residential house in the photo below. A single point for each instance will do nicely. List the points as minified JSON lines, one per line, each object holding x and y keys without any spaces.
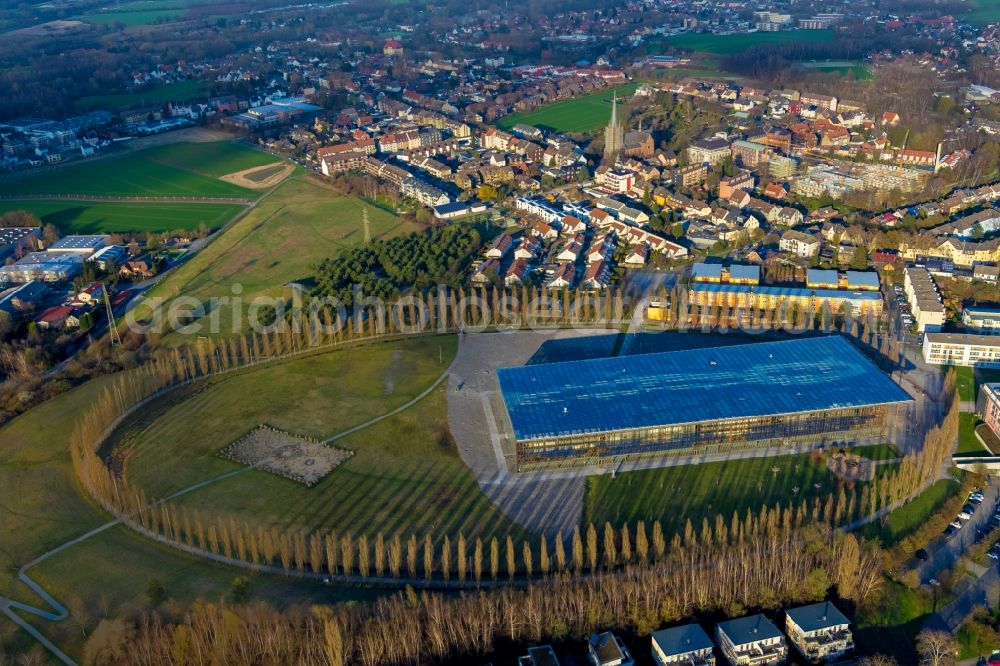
{"x":540,"y":655}
{"x":517,"y":273}
{"x":637,"y":257}
{"x":57,"y":317}
{"x":751,"y":640}
{"x":687,"y":645}
{"x":800,"y":244}
{"x":500,"y":246}
{"x":820,"y":632}
{"x":563,"y":277}
{"x":606,"y":649}
{"x":596,"y":277}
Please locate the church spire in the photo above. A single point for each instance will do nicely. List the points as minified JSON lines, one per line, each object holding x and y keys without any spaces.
{"x":614,"y":136}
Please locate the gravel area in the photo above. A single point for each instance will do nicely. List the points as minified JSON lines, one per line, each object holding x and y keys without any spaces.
{"x":297,"y":458}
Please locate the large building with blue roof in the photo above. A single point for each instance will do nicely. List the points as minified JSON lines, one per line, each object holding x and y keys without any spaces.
{"x":808,"y":391}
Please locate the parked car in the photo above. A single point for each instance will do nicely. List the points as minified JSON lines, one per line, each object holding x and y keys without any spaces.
{"x":969,"y":507}
{"x":994,"y":552}
{"x":921,"y":554}
{"x":964,"y":515}
{"x":950,"y":531}
{"x":957,"y":524}
{"x":976,"y":498}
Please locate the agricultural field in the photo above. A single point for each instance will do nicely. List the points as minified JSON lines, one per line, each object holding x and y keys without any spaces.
{"x":132,"y":175}
{"x":404,"y":476}
{"x":84,"y":217}
{"x":738,"y":43}
{"x":279,"y":241}
{"x":580,"y":114}
{"x":174,"y":92}
{"x":707,"y":490}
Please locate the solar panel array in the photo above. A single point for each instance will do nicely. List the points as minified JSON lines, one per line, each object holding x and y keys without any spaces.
{"x":649,"y":390}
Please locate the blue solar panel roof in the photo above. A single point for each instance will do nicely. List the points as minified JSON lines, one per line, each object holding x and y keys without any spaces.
{"x":647,"y":390}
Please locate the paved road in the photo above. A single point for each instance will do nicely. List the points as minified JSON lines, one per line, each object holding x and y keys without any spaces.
{"x":944,"y":554}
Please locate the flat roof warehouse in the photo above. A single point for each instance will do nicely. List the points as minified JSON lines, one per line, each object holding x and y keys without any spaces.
{"x":681,"y":387}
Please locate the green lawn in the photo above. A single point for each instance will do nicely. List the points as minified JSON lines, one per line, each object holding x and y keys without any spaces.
{"x":983,"y":12}
{"x":82,"y":217}
{"x":876,"y":451}
{"x":891,"y":626}
{"x":860,"y":72}
{"x":279,"y":241}
{"x":134,"y":18}
{"x":174,"y":92}
{"x":134,"y":174}
{"x":213,"y":158}
{"x":674,"y":495}
{"x":965,"y":382}
{"x":41,"y":509}
{"x":580,"y":114}
{"x":908,"y":518}
{"x":967,"y":440}
{"x":405,"y":475}
{"x":738,"y":43}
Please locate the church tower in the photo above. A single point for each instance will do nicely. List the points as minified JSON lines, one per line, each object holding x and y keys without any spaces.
{"x":614,"y":135}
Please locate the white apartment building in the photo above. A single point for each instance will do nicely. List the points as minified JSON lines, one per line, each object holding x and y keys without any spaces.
{"x":983,"y":320}
{"x":962,"y":349}
{"x":922,"y":295}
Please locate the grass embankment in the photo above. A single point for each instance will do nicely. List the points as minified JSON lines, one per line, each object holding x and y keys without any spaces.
{"x":43,"y":509}
{"x":405,"y":475}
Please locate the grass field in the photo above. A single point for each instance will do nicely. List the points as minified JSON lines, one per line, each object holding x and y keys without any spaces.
{"x":279,"y":241}
{"x":738,"y":43}
{"x":860,"y":72}
{"x":908,"y":518}
{"x":173,"y":92}
{"x":41,"y":509}
{"x":213,"y":158}
{"x":135,"y":174}
{"x":82,"y":217}
{"x":892,"y":626}
{"x":134,"y":18}
{"x":984,"y":12}
{"x":580,"y":114}
{"x":965,"y":383}
{"x":674,"y":495}
{"x":405,"y":475}
{"x":967,"y":440}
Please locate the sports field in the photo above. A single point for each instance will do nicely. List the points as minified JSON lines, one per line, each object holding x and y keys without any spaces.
{"x":212,"y":158}
{"x":173,"y":92}
{"x":674,"y":495}
{"x":133,"y":175}
{"x":858,"y":70}
{"x":279,"y":241}
{"x":405,"y":475}
{"x":82,"y":217}
{"x":129,"y":19}
{"x":580,"y":114}
{"x":740,"y":42}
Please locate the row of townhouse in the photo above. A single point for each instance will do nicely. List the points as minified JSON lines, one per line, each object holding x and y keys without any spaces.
{"x":773,"y":298}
